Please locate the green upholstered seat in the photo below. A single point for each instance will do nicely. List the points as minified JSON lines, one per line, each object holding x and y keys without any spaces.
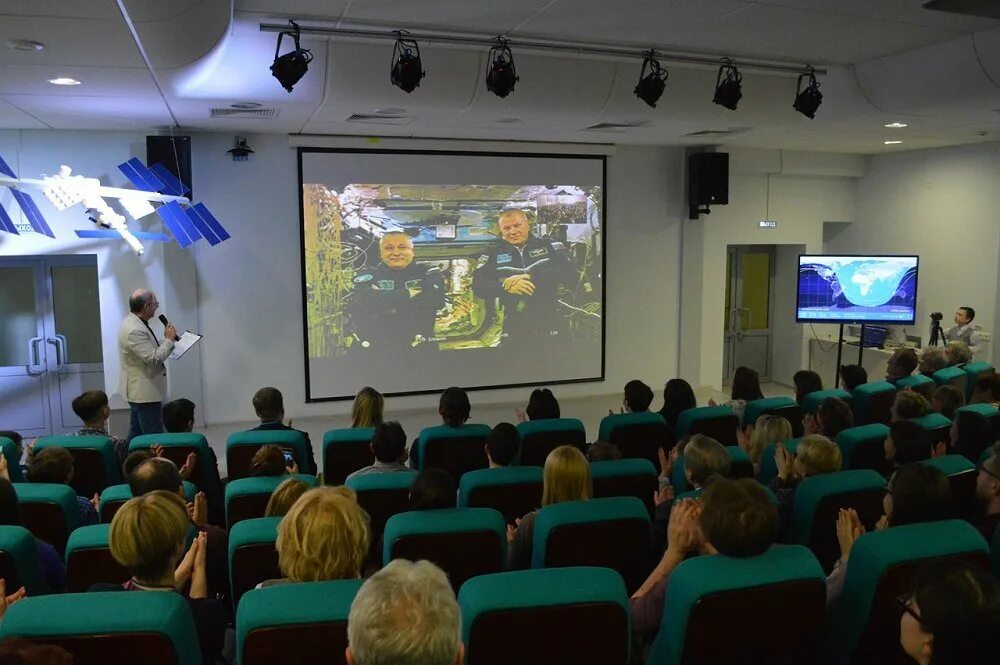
{"x":19,"y":563}
{"x":989,"y":412}
{"x":783,"y":406}
{"x":937,"y":426}
{"x":540,"y":437}
{"x":696,"y":494}
{"x":382,"y":481}
{"x":743,"y":595}
{"x":717,"y":422}
{"x":811,"y":402}
{"x":9,"y":449}
{"x":95,"y":462}
{"x":345,"y":451}
{"x":454,"y":449}
{"x":638,"y":435}
{"x":863,"y":447}
{"x":740,"y":467}
{"x":513,"y":491}
{"x":89,"y":560}
{"x":872,"y":402}
{"x":917,"y":383}
{"x":951,"y":465}
{"x":768,"y":467}
{"x":114,"y":496}
{"x":962,"y":477}
{"x":974,"y":371}
{"x":241,"y":446}
{"x":247,"y":497}
{"x":951,"y":376}
{"x":177,"y":445}
{"x":50,"y":511}
{"x":538,"y":606}
{"x":382,"y":495}
{"x":443,"y":521}
{"x":252,"y":554}
{"x":625,"y":477}
{"x":117,"y":626}
{"x":296,"y":623}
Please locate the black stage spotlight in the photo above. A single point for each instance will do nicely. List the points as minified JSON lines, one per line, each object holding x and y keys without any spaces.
{"x":728,"y":85}
{"x":406,"y":70}
{"x":292,"y":66}
{"x":807,"y":101}
{"x":651,"y":86}
{"x":501,"y":77}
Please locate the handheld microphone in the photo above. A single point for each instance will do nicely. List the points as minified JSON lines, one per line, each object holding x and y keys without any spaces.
{"x":166,"y":323}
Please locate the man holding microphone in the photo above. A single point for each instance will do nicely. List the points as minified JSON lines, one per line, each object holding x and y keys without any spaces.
{"x":143,"y":381}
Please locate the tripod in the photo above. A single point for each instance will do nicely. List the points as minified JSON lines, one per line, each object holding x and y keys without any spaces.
{"x":937,"y":335}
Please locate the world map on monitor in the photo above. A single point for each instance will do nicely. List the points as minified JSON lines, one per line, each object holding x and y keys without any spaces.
{"x":857,"y":289}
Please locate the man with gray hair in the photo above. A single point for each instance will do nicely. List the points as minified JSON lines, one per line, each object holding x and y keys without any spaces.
{"x":405,"y":614}
{"x":143,"y":378}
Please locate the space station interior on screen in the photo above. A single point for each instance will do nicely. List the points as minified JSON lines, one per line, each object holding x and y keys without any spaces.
{"x":416,"y":268}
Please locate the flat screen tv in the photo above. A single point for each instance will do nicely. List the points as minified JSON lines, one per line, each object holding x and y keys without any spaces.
{"x":857,"y":289}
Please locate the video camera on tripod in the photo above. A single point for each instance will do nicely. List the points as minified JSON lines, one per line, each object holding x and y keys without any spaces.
{"x":937,"y":335}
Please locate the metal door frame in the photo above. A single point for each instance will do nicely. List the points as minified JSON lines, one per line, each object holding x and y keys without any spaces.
{"x":735,"y":330}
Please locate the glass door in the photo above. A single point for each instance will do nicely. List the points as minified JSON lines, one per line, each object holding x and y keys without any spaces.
{"x":749,"y":285}
{"x":23,"y":360}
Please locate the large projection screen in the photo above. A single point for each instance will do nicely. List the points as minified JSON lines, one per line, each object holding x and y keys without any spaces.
{"x":423,"y":270}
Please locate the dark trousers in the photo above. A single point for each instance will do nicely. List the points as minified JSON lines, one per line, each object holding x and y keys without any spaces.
{"x":144,"y":418}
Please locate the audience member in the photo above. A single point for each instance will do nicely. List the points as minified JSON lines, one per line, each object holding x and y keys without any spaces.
{"x":909,"y":405}
{"x":284,"y":497}
{"x":901,"y":364}
{"x":92,"y":408}
{"x":389,"y":446}
{"x":324,"y":536}
{"x":502,"y":445}
{"x":987,"y":391}
{"x":638,"y":397}
{"x":852,"y":376}
{"x":907,"y":443}
{"x":946,"y":400}
{"x":19,"y":651}
{"x":270,"y":460}
{"x":565,"y":477}
{"x":932,"y":359}
{"x":958,"y":353}
{"x":433,"y":489}
{"x":988,"y":493}
{"x":602,"y":451}
{"x":405,"y":614}
{"x":815,"y":455}
{"x":542,"y":405}
{"x":270,"y":408}
{"x":55,"y":465}
{"x":806,"y":381}
{"x":677,"y":398}
{"x":832,"y":417}
{"x":971,"y":434}
{"x":18,"y":442}
{"x":10,"y":515}
{"x":368,"y":409}
{"x":767,"y":430}
{"x":745,"y":388}
{"x":178,"y":416}
{"x":134,"y":459}
{"x":454,"y":407}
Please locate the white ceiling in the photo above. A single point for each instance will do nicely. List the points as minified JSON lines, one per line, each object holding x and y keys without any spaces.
{"x":887,"y":60}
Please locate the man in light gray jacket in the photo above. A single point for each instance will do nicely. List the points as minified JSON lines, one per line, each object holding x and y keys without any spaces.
{"x":143,"y":381}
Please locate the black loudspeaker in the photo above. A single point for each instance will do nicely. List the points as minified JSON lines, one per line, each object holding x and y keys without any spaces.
{"x":174,"y":153}
{"x":708,"y":181}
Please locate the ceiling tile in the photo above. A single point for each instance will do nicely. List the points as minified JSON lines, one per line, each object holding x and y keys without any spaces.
{"x":93,"y":42}
{"x":77,"y":112}
{"x":91,"y":9}
{"x":476,"y":15}
{"x":301,"y":8}
{"x":896,"y":11}
{"x":95,"y":81}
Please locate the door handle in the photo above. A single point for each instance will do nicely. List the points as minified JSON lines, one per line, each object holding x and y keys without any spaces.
{"x":34,"y":366}
{"x":63,"y":348}
{"x":60,"y":358}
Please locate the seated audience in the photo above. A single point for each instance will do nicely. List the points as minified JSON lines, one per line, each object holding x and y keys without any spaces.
{"x":270,"y":460}
{"x":10,"y":515}
{"x":806,"y":381}
{"x":909,"y":405}
{"x":389,"y":446}
{"x":368,"y":409}
{"x":988,"y":493}
{"x":767,"y":430}
{"x":932,"y":359}
{"x":178,"y":416}
{"x":433,"y":489}
{"x":542,"y":405}
{"x":324,"y":536}
{"x":907,"y":443}
{"x":502,"y":446}
{"x":735,"y":518}
{"x":901,"y":364}
{"x":814,"y":456}
{"x":638,"y":397}
{"x":602,"y":451}
{"x":55,"y":465}
{"x":92,"y":408}
{"x":852,"y":376}
{"x":565,"y":477}
{"x":952,"y":616}
{"x":134,"y":459}
{"x":269,"y":406}
{"x":745,"y":388}
{"x":454,"y":409}
{"x":987,"y":391}
{"x":405,"y":614}
{"x":284,"y":497}
{"x":147,"y":537}
{"x":958,"y":353}
{"x":946,"y":400}
{"x":971,"y":434}
{"x":677,"y":398}
{"x":831,"y":418}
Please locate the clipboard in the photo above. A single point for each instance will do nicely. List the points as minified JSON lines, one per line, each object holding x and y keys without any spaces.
{"x":187,"y":340}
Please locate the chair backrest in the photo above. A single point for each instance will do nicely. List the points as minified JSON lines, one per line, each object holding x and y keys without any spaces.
{"x":975,"y":371}
{"x":463,"y":542}
{"x":952,"y":376}
{"x":740,"y":467}
{"x":295,"y":623}
{"x":918,"y":383}
{"x":863,"y":625}
{"x":115,"y":496}
{"x":101,"y":628}
{"x":937,"y":427}
{"x":247,"y":498}
{"x":514,"y":491}
{"x":49,"y":511}
{"x":613,"y":533}
{"x":995,"y":552}
{"x":13,"y":460}
{"x":176,"y":447}
{"x":626,"y":477}
{"x":19,"y":563}
{"x":873,"y":403}
{"x":718,"y":422}
{"x":540,"y":437}
{"x":768,"y":467}
{"x":242,"y":446}
{"x":95,"y":462}
{"x":989,"y":412}
{"x":811,"y":402}
{"x":574,"y":615}
{"x":89,"y":560}
{"x":345,"y":451}
{"x":636,"y":434}
{"x":961,"y":475}
{"x":863,"y":447}
{"x":454,"y":449}
{"x":252,"y":554}
{"x":383,"y":495}
{"x":786,"y":407}
{"x":744,"y":596}
{"x":818,"y":500}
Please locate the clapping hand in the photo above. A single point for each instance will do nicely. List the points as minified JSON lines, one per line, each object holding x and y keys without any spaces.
{"x":198,"y":510}
{"x":684,"y":530}
{"x":522,"y":417}
{"x":5,"y":600}
{"x":182,"y":574}
{"x":189,"y":462}
{"x":784,"y":461}
{"x":743,"y":436}
{"x":663,"y":495}
{"x":4,"y":471}
{"x":849,"y":529}
{"x":712,"y":402}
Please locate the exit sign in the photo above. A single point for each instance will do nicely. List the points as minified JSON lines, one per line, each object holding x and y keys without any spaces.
{"x":768,"y":224}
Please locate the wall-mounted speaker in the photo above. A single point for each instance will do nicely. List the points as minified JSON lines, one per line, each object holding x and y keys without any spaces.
{"x":708,"y":181}
{"x":174,"y":153}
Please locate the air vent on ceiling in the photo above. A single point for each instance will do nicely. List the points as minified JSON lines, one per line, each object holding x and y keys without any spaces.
{"x":615,"y":126}
{"x":371,"y":119}
{"x":717,"y":132}
{"x":257,"y":114}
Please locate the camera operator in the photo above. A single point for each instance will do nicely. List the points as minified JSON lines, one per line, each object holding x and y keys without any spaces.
{"x":965,"y":330}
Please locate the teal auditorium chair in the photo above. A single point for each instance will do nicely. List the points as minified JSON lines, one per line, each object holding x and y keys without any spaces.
{"x":242,"y":446}
{"x":49,"y":511}
{"x":975,"y":371}
{"x":811,"y":402}
{"x":961,"y":475}
{"x":740,"y":467}
{"x":454,"y":449}
{"x":989,"y":412}
{"x":937,"y":427}
{"x":952,"y":376}
{"x":576,"y":615}
{"x":863,"y":626}
{"x":95,"y":463}
{"x":626,"y":477}
{"x":995,"y":552}
{"x":785,"y":407}
{"x":295,"y":623}
{"x":204,"y":475}
{"x":540,"y":437}
{"x":873,"y":403}
{"x":721,"y":609}
{"x":19,"y":564}
{"x":514,"y":491}
{"x":819,"y":499}
{"x":100,"y":628}
{"x":636,"y":434}
{"x":252,"y":554}
{"x":383,"y":495}
{"x":768,"y":467}
{"x":345,"y":451}
{"x":9,"y":449}
{"x":463,"y":542}
{"x":717,"y":422}
{"x":89,"y":560}
{"x":918,"y":383}
{"x":863,"y":447}
{"x":612,"y":533}
{"x":247,"y":498}
{"x":115,"y":496}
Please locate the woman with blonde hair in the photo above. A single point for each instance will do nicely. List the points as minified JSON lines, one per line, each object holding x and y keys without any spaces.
{"x":324,"y":536}
{"x":565,"y":477}
{"x":368,"y":409}
{"x":767,"y":430}
{"x":284,"y":497}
